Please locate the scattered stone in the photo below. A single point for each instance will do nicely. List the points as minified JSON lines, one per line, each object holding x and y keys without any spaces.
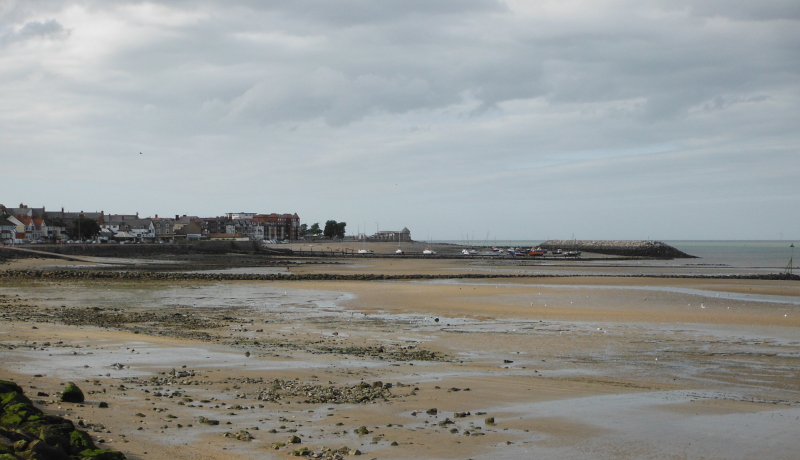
{"x":319,"y":394}
{"x":244,"y":436}
{"x":207,"y":421}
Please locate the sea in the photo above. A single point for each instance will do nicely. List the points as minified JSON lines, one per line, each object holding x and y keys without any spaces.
{"x":760,"y":254}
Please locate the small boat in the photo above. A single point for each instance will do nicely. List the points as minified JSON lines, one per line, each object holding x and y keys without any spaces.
{"x":572,"y":253}
{"x":537,"y":252}
{"x":429,"y":252}
{"x":366,"y":251}
{"x":399,"y":252}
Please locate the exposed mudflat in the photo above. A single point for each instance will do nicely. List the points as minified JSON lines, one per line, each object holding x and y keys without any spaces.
{"x":587,"y":367}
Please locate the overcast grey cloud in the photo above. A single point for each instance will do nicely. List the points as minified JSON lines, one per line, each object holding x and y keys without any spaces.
{"x":517,"y":119}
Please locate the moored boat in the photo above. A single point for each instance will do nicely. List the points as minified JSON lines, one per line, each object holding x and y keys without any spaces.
{"x":537,"y":252}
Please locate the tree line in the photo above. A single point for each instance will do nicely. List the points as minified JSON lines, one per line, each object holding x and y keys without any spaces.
{"x":332,"y":229}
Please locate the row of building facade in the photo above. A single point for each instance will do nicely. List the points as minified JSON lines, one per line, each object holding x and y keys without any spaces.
{"x":38,"y":225}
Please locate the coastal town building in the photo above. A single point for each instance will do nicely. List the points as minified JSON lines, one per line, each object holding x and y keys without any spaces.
{"x":393,"y":235}
{"x":34,"y":228}
{"x":192,"y":231}
{"x":164,"y":227}
{"x":26,"y":224}
{"x":182,"y":221}
{"x":32,"y":225}
{"x":253,"y":226}
{"x":23,"y":210}
{"x":8,"y":231}
{"x":279,"y":226}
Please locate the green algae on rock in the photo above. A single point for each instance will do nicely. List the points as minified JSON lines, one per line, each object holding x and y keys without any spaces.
{"x":28,"y":433}
{"x":72,"y":394}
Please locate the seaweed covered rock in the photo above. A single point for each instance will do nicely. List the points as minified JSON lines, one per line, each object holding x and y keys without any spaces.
{"x":27,"y":433}
{"x":72,"y":394}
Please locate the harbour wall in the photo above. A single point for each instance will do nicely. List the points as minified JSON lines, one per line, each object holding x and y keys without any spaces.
{"x":645,"y":248}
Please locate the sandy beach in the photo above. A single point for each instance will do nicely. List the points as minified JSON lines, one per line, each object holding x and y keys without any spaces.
{"x":542,"y":367}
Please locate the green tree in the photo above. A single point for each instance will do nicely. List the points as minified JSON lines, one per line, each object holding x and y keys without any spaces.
{"x":330,"y":229}
{"x":334,"y":229}
{"x":303,"y":229}
{"x":84,"y":228}
{"x":314,"y":229}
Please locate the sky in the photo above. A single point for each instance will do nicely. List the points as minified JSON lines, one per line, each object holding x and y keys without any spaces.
{"x":479,"y":119}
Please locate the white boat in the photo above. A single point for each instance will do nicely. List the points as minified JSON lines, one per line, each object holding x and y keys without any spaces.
{"x":399,"y":252}
{"x":428,"y":252}
{"x":366,"y":251}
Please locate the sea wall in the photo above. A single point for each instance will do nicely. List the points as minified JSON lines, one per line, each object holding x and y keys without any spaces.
{"x":651,"y":249}
{"x":140,"y":250}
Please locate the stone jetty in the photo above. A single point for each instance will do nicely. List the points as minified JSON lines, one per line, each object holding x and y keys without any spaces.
{"x":651,"y":249}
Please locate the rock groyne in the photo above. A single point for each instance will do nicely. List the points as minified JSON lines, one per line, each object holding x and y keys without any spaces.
{"x":85,"y":275}
{"x":651,"y":249}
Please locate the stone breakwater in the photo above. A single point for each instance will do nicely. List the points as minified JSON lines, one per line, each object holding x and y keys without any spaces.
{"x":652,"y":249}
{"x":162,"y":276}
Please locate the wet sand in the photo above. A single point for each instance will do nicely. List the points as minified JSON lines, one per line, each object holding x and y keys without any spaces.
{"x":588,"y":367}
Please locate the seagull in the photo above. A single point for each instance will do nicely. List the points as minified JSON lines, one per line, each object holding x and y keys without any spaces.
{"x":140,"y":153}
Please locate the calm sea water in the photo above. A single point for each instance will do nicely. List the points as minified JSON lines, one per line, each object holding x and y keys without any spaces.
{"x":744,"y":254}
